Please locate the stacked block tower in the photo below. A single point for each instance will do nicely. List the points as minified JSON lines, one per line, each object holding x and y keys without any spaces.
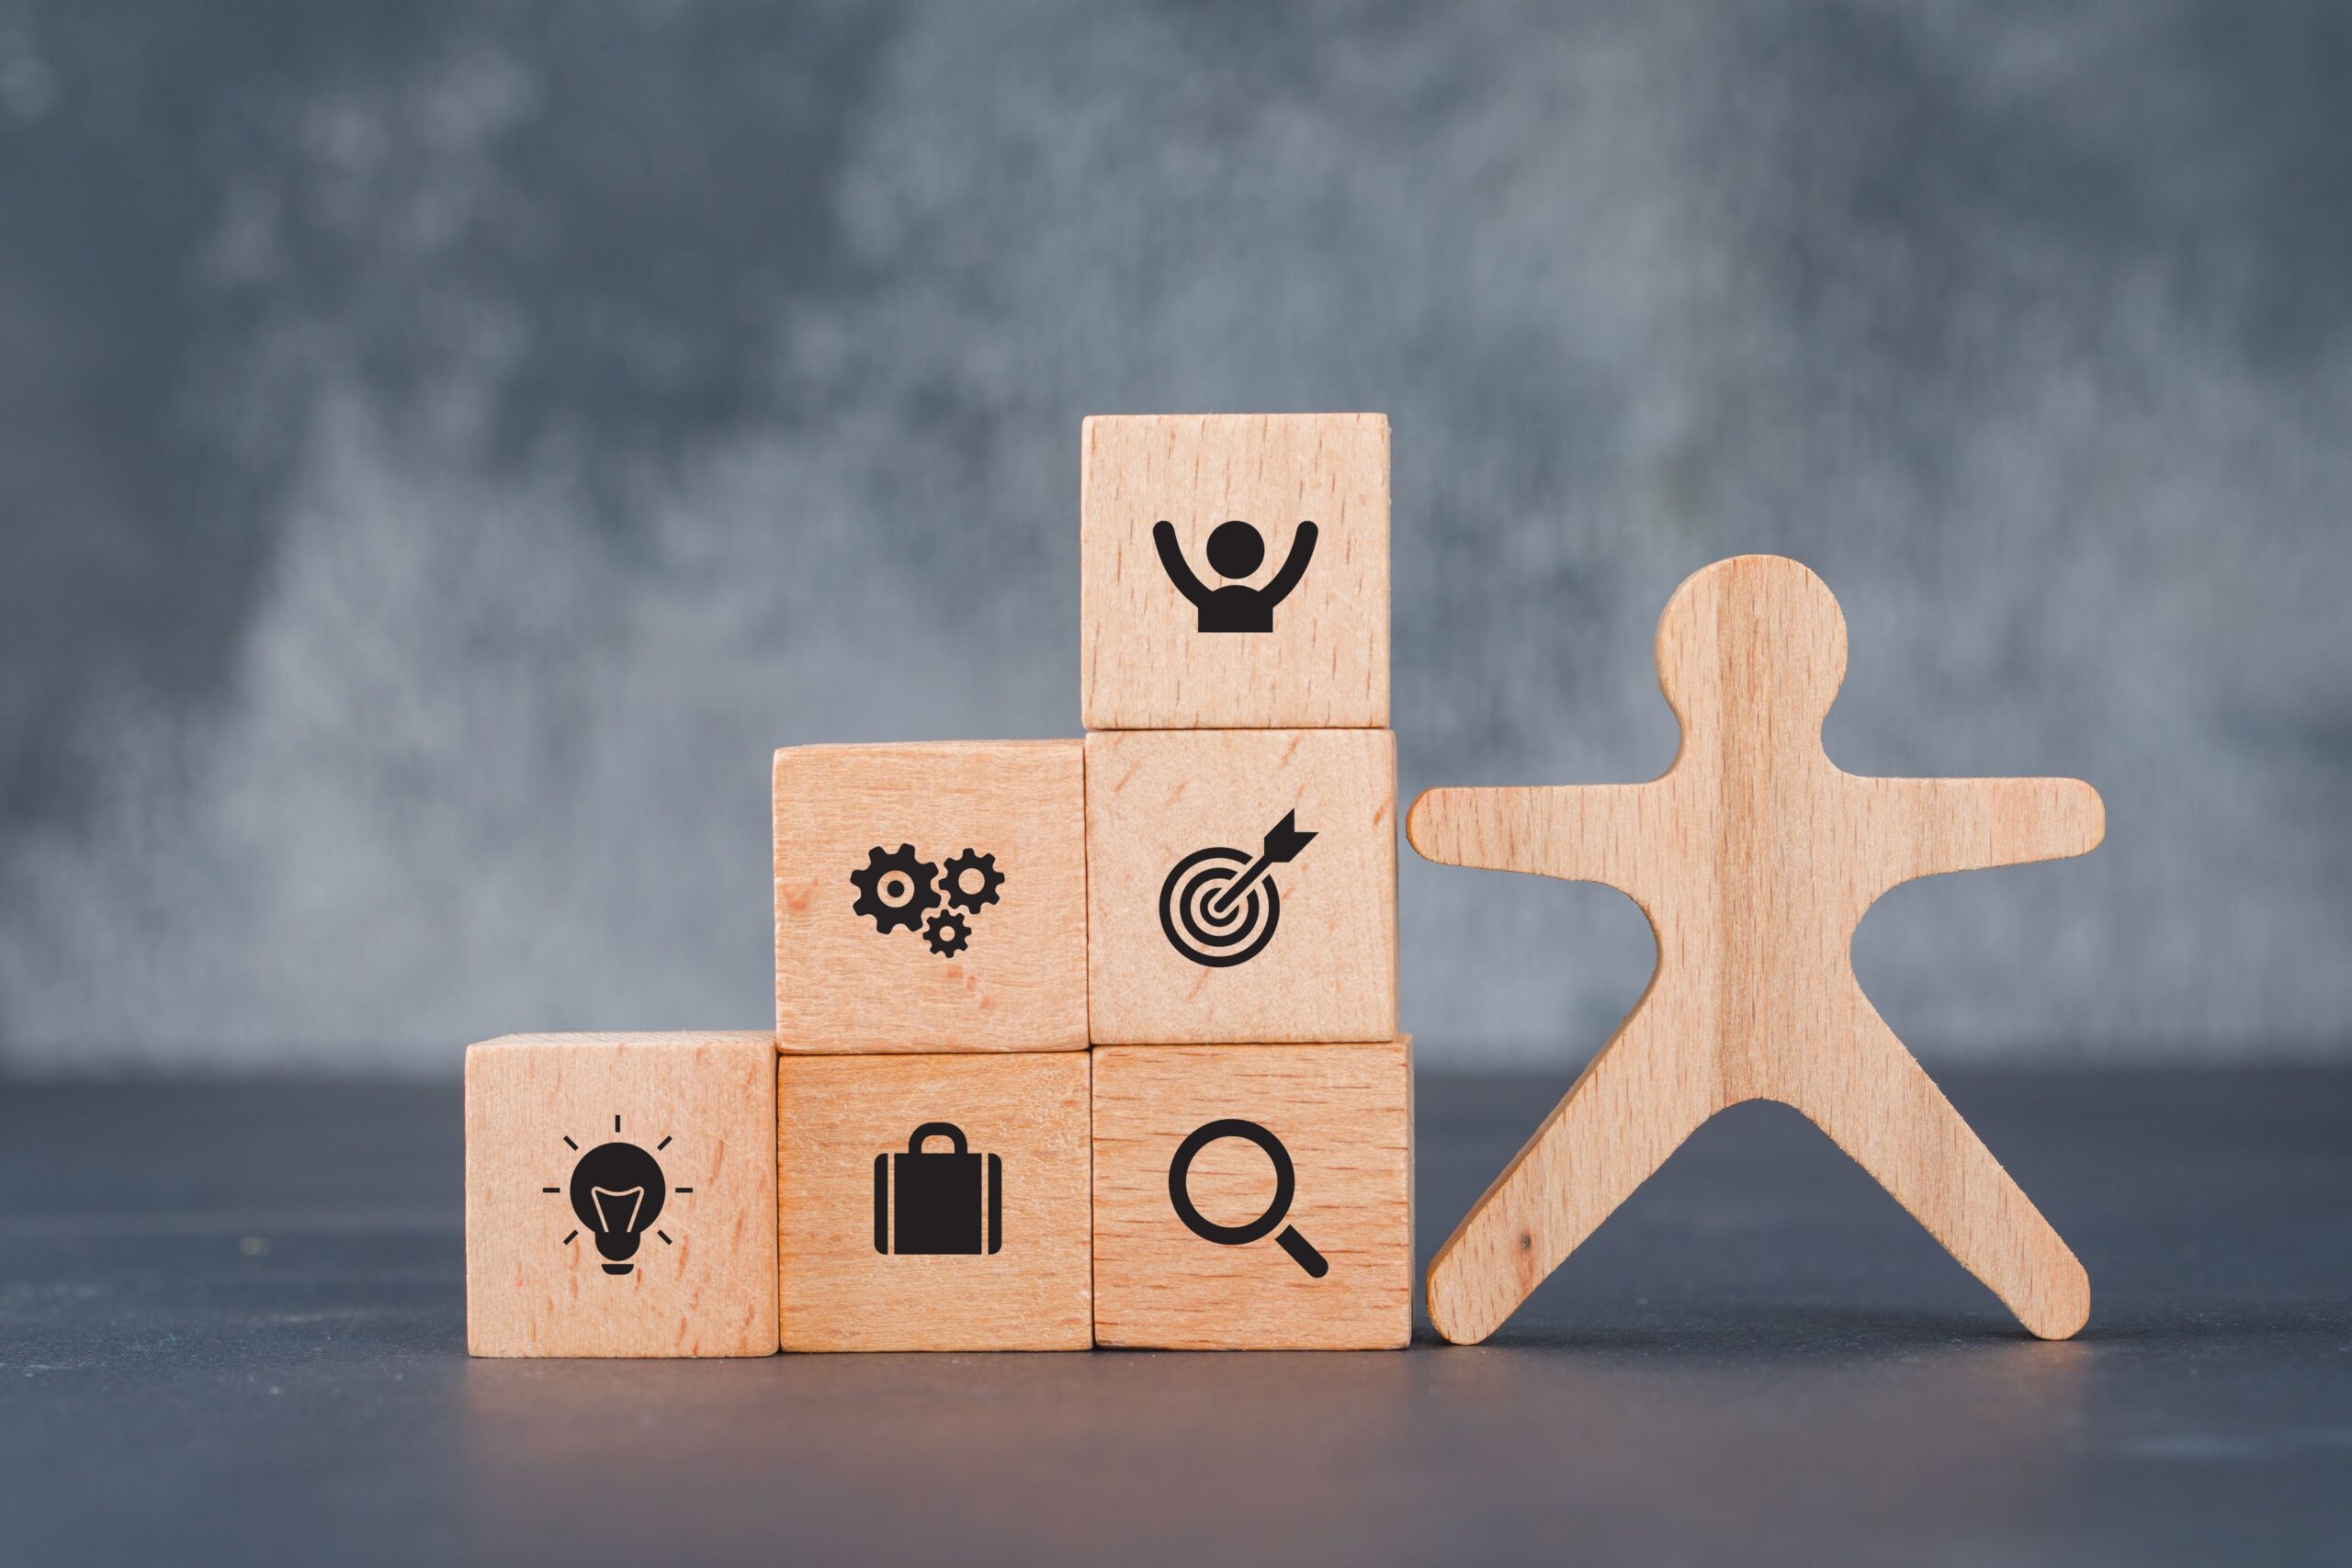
{"x":1078,"y":1042}
{"x":1241,"y":884}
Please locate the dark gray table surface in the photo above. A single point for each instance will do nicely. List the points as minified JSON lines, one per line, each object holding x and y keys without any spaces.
{"x":231,"y":1328}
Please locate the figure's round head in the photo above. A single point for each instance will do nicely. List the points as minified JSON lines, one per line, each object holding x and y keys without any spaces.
{"x":1748,"y":638}
{"x":1236,"y":549}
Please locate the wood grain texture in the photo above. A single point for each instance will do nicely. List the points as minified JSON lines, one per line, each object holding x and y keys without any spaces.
{"x":1146,"y":663}
{"x":710,"y":1288}
{"x":1328,"y":972}
{"x":836,"y":1114}
{"x":1754,"y":858}
{"x":1345,"y":1115}
{"x":843,"y":985}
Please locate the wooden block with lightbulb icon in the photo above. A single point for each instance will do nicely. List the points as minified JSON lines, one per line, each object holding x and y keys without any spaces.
{"x":620,"y":1195}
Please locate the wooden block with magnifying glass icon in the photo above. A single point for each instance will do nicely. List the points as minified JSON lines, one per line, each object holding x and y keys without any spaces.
{"x":620,"y":1195}
{"x":1241,"y":886}
{"x":1254,"y":1197}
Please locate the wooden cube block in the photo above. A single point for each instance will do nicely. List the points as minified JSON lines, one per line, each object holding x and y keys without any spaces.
{"x":934,"y":1202}
{"x":1241,"y":884}
{"x":930,"y":897}
{"x":1296,"y":1164}
{"x":1235,"y":571}
{"x":620,"y":1200}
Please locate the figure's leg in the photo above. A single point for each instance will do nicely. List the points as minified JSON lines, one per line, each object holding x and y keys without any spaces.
{"x":1870,"y":1094}
{"x":1631,"y":1107}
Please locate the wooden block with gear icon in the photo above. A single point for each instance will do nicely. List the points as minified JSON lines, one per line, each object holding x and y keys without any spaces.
{"x":1254,"y":1197}
{"x":1241,"y":886}
{"x":930,"y":897}
{"x":1234,"y":571}
{"x":934,"y":1202}
{"x":620,"y":1195}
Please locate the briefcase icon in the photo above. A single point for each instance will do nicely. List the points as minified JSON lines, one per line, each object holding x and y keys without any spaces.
{"x":938,"y":1203}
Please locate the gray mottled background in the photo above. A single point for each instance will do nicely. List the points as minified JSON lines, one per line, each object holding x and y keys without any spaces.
{"x":445,"y":447}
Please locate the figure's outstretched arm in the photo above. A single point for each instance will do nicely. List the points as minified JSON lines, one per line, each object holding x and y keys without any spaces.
{"x":1926,"y":827}
{"x":1172,"y":556}
{"x":1302,"y":550}
{"x":1580,"y":832}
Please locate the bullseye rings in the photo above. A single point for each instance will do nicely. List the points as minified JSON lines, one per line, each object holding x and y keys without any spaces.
{"x":1196,"y":882}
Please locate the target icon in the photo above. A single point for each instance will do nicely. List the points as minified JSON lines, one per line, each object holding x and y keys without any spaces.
{"x":1218,"y":907}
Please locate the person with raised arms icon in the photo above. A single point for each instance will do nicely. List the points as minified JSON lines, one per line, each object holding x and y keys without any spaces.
{"x":1235,"y":550}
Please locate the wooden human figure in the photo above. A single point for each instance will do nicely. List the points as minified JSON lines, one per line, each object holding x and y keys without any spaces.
{"x":1754,"y":858}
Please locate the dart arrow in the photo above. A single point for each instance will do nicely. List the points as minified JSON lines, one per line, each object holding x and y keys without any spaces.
{"x":1284,"y":840}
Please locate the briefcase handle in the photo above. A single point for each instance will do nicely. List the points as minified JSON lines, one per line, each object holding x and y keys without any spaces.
{"x":948,"y":1130}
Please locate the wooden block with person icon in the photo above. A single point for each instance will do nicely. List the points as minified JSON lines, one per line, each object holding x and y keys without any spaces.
{"x":1235,"y":571}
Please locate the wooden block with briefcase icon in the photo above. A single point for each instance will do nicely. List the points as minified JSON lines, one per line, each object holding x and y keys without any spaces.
{"x":620,"y":1196}
{"x":1254,"y":1197}
{"x":1241,"y":886}
{"x":930,"y":897}
{"x":1234,"y":571}
{"x":934,"y":1202}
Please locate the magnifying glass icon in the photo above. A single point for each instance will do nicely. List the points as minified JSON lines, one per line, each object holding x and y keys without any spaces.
{"x":1179,"y":1172}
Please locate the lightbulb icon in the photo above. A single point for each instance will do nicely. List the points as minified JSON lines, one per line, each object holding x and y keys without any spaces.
{"x":618,"y":1191}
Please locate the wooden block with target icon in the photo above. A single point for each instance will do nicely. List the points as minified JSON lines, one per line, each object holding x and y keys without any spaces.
{"x":1254,"y":1197}
{"x":620,"y":1195}
{"x":930,"y":897}
{"x":1241,"y":886}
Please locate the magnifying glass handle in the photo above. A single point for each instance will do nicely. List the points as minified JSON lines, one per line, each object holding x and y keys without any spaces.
{"x":1303,"y":1253}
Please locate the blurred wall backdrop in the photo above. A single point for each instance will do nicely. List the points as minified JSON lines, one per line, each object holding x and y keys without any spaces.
{"x":445,"y":447}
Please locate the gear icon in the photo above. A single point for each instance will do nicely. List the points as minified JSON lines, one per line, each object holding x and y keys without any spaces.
{"x":895,"y":890}
{"x":972,"y":864}
{"x":947,"y":933}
